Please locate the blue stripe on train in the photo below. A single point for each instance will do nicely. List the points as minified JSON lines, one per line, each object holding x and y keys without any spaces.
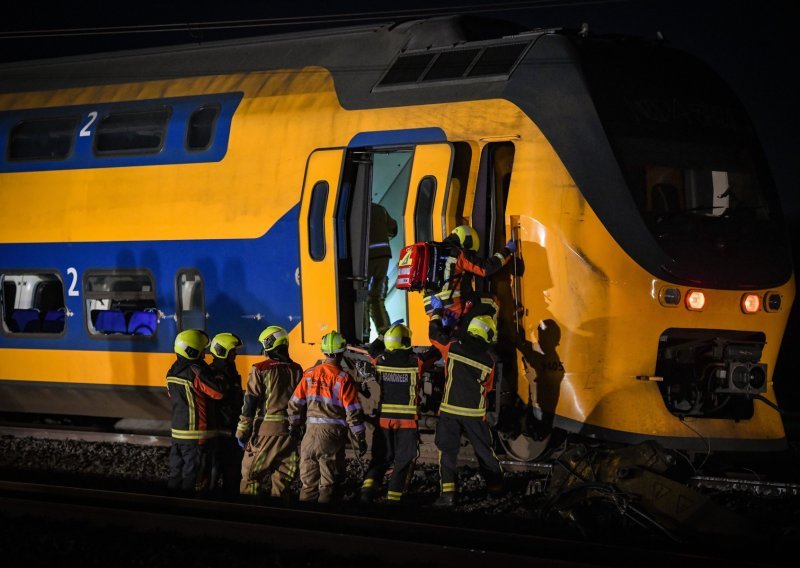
{"x":82,"y":156}
{"x":249,"y":284}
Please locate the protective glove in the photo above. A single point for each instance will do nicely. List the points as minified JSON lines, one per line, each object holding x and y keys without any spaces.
{"x":436,"y":303}
{"x":296,"y":433}
{"x":362,"y":446}
{"x":449,"y":319}
{"x":242,"y":442}
{"x":512,"y":246}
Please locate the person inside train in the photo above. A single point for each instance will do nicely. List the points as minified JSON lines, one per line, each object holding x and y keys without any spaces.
{"x":382,"y":228}
{"x":326,"y":402}
{"x":399,"y":374}
{"x":190,"y":386}
{"x":270,"y":453}
{"x":226,"y":456}
{"x":469,"y":367}
{"x":458,"y":291}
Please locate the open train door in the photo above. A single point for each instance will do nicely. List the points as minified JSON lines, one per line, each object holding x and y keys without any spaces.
{"x":317,"y":246}
{"x":424,"y":218}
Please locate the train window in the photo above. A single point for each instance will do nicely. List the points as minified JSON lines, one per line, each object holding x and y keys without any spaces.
{"x":141,"y":132}
{"x":407,"y":68}
{"x":423,"y":209}
{"x":200,"y":130}
{"x":42,"y":139}
{"x":120,"y":303}
{"x":190,"y":300}
{"x":451,"y":64}
{"x":33,"y":303}
{"x":497,"y":60}
{"x":316,"y":220}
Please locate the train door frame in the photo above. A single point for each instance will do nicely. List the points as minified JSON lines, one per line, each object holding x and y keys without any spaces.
{"x":318,"y":301}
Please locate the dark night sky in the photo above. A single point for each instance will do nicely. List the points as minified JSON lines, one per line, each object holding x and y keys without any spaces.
{"x":749,"y":43}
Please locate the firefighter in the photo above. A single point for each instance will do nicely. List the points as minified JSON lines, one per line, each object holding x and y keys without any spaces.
{"x":270,"y":458}
{"x":190,"y":385}
{"x":326,"y":401}
{"x":469,"y":367}
{"x":459,"y":274}
{"x":399,"y":373}
{"x":227,"y":455}
{"x":382,"y":228}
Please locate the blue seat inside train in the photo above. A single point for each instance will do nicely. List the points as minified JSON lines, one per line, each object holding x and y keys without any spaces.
{"x":142,"y":323}
{"x":27,"y":320}
{"x":53,"y":321}
{"x":109,"y":321}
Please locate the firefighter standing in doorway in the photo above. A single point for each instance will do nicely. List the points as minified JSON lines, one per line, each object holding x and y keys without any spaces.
{"x":270,"y":458}
{"x":326,"y":400}
{"x":469,"y":377}
{"x":382,"y":228}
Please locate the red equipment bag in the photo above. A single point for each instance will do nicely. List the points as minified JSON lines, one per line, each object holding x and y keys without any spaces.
{"x":412,"y":268}
{"x":422,"y":266}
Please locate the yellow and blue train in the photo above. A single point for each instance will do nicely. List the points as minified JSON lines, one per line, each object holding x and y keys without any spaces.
{"x":225,"y":186}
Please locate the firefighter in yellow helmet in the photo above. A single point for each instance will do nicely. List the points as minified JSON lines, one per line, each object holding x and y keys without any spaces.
{"x":226,"y":460}
{"x":326,"y":401}
{"x":465,"y":266}
{"x":270,"y":458}
{"x":399,"y":374}
{"x":190,"y":385}
{"x":469,"y":367}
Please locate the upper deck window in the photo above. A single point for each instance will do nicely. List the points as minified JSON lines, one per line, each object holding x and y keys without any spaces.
{"x":132,"y":132}
{"x":474,"y":62}
{"x":200,"y":131}
{"x":42,"y":139}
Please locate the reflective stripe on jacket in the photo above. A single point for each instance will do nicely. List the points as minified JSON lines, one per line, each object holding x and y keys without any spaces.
{"x":326,"y":394}
{"x":190,"y":385}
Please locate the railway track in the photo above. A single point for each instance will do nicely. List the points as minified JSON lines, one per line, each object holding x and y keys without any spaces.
{"x":755,"y":487}
{"x":324,"y":534}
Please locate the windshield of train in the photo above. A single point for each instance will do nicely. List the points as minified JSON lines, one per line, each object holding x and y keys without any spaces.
{"x":689,"y":155}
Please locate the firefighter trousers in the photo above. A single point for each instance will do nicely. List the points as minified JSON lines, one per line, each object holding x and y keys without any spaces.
{"x":185,"y":461}
{"x":269,"y":466}
{"x":448,"y":441}
{"x":321,"y":455}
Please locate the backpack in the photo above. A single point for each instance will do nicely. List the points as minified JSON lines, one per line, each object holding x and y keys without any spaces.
{"x":422,"y":266}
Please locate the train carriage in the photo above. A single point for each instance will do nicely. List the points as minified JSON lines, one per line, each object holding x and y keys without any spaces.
{"x":226,"y":186}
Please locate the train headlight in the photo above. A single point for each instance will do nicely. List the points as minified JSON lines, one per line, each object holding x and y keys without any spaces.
{"x":669,"y":297}
{"x":751,"y":303}
{"x":772,"y":302}
{"x":743,"y":378}
{"x":695,"y":300}
{"x":757,"y":377}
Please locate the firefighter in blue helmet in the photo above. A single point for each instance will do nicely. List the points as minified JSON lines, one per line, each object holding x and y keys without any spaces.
{"x":190,"y":385}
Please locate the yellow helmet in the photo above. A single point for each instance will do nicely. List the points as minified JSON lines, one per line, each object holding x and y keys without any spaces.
{"x":223,"y":344}
{"x":191,"y":343}
{"x":273,"y":337}
{"x":468,"y":237}
{"x":483,"y":327}
{"x":332,"y":343}
{"x":397,"y":337}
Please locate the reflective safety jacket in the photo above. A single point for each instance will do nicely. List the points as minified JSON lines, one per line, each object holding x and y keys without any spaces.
{"x":270,"y":384}
{"x":399,"y":376}
{"x":327,"y":394}
{"x":469,"y":375}
{"x":190,"y":385}
{"x":228,"y":408}
{"x":460,"y":269}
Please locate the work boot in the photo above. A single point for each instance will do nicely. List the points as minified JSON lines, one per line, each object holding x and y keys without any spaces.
{"x":367,"y":495}
{"x":446,"y":500}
